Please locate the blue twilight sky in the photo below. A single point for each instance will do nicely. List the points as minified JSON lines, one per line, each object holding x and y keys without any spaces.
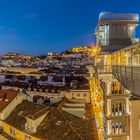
{"x":38,"y":26}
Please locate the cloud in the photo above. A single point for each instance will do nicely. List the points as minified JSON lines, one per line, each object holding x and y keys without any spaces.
{"x":33,"y":15}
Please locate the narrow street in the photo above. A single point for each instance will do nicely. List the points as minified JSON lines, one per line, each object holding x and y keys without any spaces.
{"x":97,"y":111}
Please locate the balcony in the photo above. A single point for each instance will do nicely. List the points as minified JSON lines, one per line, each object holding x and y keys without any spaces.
{"x":117,"y":96}
{"x":129,"y":76}
{"x":117,"y":117}
{"x":124,"y":135}
{"x":128,"y":72}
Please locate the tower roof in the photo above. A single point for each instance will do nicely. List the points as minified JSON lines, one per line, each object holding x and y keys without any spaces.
{"x":118,"y":16}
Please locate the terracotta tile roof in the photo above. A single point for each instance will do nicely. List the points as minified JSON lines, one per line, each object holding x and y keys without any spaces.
{"x":57,"y":79}
{"x":23,"y":110}
{"x":21,"y":77}
{"x":57,"y":125}
{"x":9,"y":76}
{"x":43,"y":78}
{"x":6,"y":97}
{"x":49,"y":87}
{"x":60,"y":125}
{"x":80,"y":79}
{"x":81,"y":87}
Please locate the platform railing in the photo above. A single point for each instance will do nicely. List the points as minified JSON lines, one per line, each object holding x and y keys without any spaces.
{"x":128,"y":72}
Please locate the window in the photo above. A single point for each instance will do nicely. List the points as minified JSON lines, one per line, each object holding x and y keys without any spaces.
{"x":132,"y":31}
{"x":103,"y":35}
{"x":27,"y":137}
{"x":12,"y":131}
{"x":78,"y":95}
{"x":85,"y":95}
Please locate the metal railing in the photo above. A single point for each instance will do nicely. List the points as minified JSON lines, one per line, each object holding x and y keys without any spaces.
{"x":128,"y":72}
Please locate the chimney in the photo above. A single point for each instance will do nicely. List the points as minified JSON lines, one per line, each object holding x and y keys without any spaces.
{"x":5,"y":97}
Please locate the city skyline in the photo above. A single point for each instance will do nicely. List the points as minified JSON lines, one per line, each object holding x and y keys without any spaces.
{"x":84,"y":93}
{"x":40,"y":26}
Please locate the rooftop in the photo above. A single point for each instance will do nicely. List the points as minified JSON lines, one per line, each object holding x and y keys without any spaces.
{"x":60,"y":125}
{"x":6,"y":97}
{"x":81,"y":87}
{"x":57,"y":125}
{"x":118,"y":16}
{"x":23,"y":110}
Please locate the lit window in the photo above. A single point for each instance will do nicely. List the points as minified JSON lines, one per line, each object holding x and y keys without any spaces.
{"x":103,"y":35}
{"x":27,"y":137}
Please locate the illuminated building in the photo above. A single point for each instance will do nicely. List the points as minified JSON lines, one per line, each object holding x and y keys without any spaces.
{"x":117,"y":71}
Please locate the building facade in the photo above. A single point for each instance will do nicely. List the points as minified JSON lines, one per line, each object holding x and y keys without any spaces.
{"x":117,"y":70}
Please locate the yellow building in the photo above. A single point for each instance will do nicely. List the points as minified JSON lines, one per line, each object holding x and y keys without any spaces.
{"x":30,"y":121}
{"x":14,"y":133}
